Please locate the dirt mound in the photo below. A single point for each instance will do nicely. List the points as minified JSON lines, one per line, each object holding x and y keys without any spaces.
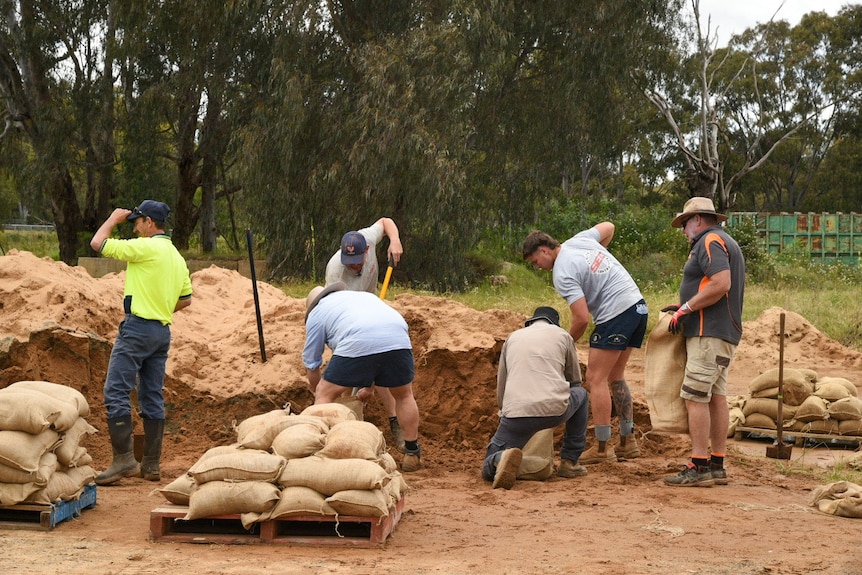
{"x":58,"y":324}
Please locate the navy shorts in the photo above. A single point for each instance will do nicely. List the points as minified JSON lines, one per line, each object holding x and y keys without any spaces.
{"x":626,"y":330}
{"x":388,"y":369}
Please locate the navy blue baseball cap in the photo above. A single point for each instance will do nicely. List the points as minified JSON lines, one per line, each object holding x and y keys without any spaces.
{"x":353,"y":246}
{"x":157,"y":211}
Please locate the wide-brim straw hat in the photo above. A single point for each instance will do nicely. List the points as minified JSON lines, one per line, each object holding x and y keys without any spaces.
{"x":698,"y":205}
{"x":317,"y":293}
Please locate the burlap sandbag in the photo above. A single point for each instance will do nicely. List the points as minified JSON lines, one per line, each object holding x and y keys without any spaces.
{"x":179,"y":490}
{"x":23,"y":451}
{"x":812,"y":409}
{"x":396,"y":488}
{"x":353,"y":440}
{"x":47,"y":466}
{"x":769,"y":379}
{"x":736,"y":418}
{"x":664,"y":370}
{"x":24,"y":411}
{"x":825,"y":426}
{"x":360,"y":503}
{"x":834,"y":388}
{"x":840,"y":498}
{"x":58,"y":391}
{"x":231,"y":497}
{"x":537,"y":463}
{"x":847,"y":408}
{"x":298,"y":441}
{"x":768,"y":407}
{"x":332,"y":413}
{"x":258,"y":431}
{"x":67,"y":450}
{"x":299,"y":500}
{"x":809,"y":374}
{"x":66,"y":485}
{"x":759,"y":420}
{"x":850,"y":427}
{"x":238,"y":465}
{"x":356,"y":405}
{"x":15,"y":493}
{"x":81,"y":457}
{"x":328,"y":476}
{"x":387,"y":462}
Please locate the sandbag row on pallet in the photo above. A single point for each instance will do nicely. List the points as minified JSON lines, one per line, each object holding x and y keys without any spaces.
{"x":42,"y":426}
{"x":809,"y":404}
{"x":322,"y":461}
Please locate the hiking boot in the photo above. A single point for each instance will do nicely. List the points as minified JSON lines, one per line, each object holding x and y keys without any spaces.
{"x":507,"y":469}
{"x":692,"y":476}
{"x":630,"y":451}
{"x":412,"y":461}
{"x":397,"y":435}
{"x":593,"y":455}
{"x":569,"y":469}
{"x":719,"y":475}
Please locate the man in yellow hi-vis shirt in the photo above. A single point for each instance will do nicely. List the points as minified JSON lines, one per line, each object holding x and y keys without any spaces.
{"x":157,"y":285}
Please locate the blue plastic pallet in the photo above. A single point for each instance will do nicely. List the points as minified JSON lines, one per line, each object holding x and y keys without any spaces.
{"x":46,"y":517}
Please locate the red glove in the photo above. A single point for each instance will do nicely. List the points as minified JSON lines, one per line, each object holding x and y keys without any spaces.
{"x":675,"y":326}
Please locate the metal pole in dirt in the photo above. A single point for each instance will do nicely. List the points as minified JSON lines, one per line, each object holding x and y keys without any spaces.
{"x":256,"y":298}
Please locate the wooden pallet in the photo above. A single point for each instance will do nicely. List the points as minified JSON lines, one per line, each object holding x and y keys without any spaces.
{"x":46,"y":517}
{"x":798,"y":436}
{"x":167,"y":526}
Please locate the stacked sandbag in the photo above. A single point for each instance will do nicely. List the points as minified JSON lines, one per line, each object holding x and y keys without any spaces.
{"x":811,"y":404}
{"x":42,"y":426}
{"x":736,"y":416}
{"x":322,"y":461}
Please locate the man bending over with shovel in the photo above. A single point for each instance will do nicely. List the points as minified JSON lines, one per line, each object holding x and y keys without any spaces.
{"x":355,"y":264}
{"x":370,"y":346}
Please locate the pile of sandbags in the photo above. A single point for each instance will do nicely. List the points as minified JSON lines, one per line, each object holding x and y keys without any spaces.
{"x":42,"y":460}
{"x":322,"y":461}
{"x":810,"y":404}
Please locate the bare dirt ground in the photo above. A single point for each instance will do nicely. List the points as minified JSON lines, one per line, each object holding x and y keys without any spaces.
{"x":58,"y":324}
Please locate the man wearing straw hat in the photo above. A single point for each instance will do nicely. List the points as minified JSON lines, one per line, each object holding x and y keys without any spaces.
{"x":370,"y":345}
{"x":355,"y":264}
{"x":710,"y":318}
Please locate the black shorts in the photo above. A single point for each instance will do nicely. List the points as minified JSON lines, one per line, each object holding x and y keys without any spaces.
{"x":388,"y":369}
{"x":626,"y":330}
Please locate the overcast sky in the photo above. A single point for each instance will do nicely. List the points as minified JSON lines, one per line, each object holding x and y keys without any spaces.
{"x":734,"y":16}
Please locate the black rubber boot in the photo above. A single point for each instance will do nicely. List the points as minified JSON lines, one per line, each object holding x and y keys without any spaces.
{"x":124,"y":464}
{"x":154,"y":430}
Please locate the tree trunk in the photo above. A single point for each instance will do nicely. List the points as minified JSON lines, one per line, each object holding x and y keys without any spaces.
{"x":67,"y":216}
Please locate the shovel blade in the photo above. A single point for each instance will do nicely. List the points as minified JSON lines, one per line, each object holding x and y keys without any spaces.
{"x":779,"y":451}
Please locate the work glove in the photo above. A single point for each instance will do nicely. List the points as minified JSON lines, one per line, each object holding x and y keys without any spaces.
{"x":675,"y":326}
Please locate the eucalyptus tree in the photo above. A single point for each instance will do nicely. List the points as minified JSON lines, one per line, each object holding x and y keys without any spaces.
{"x":188,"y":71}
{"x":52,"y":61}
{"x":762,"y":102}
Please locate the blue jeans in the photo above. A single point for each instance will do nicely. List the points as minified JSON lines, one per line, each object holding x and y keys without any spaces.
{"x":517,"y":431}
{"x":139,"y":357}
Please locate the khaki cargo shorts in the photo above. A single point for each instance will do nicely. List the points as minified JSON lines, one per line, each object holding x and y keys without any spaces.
{"x":706,"y":368}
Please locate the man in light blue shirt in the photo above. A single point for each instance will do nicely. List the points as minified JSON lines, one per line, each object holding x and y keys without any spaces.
{"x":370,"y":346}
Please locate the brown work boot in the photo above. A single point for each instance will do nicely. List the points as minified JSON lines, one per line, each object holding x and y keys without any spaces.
{"x":630,"y":451}
{"x":569,"y":469}
{"x":412,"y":461}
{"x":593,"y":455}
{"x":507,"y":468}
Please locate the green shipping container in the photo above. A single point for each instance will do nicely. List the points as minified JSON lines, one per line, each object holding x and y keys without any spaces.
{"x":822,"y":236}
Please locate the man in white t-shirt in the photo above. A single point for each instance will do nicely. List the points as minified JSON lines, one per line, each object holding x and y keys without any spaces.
{"x":594,"y":283}
{"x":355,"y":264}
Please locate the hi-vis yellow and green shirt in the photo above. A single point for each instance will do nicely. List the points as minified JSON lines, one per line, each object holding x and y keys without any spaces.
{"x":156,"y":275}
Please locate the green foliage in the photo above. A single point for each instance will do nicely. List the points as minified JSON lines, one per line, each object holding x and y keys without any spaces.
{"x":759,"y":264}
{"x":42,"y":244}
